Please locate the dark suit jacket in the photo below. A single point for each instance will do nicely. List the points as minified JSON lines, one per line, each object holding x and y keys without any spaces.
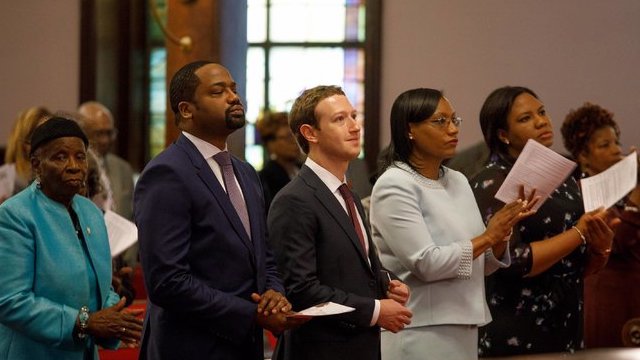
{"x":273,"y":177}
{"x":199,"y":265}
{"x":321,"y":260}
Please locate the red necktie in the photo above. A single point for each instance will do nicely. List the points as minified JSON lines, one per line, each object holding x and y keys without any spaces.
{"x":351,"y":207}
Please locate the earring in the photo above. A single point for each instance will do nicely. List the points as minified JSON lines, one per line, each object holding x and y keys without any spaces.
{"x":38,"y":184}
{"x":410,"y":136}
{"x":506,"y":141}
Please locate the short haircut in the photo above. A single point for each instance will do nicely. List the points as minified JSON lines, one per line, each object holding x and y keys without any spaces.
{"x":495,"y":112}
{"x":303,"y":110}
{"x":183,"y":85}
{"x":580,"y":124}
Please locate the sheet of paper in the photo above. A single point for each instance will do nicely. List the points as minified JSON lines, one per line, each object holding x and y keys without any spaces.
{"x":7,"y":180}
{"x":324,"y":309}
{"x":537,"y":167}
{"x":122,"y":232}
{"x":611,"y":185}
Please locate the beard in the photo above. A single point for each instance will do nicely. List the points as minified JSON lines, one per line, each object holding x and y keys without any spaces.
{"x":234,"y":122}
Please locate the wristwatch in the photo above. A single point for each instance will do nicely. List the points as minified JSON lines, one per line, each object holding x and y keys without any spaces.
{"x":83,"y":320}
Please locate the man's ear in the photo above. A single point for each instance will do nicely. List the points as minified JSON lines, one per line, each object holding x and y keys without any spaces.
{"x":309,"y":133}
{"x":185,"y":109}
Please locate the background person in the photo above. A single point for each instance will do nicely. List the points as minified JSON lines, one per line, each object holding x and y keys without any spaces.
{"x":441,"y":252}
{"x":284,"y":153}
{"x":97,"y":122}
{"x":611,"y":296}
{"x":48,"y":311}
{"x":19,"y":144}
{"x":537,"y":302}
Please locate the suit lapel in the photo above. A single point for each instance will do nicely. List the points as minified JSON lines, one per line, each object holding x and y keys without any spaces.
{"x":207,"y":176}
{"x":329,"y":201}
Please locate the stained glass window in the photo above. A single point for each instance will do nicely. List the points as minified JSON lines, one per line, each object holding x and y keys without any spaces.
{"x":157,"y":99}
{"x":298,"y":44}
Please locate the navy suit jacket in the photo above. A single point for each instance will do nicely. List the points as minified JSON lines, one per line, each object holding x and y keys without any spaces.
{"x":321,"y":260}
{"x":200,"y":267}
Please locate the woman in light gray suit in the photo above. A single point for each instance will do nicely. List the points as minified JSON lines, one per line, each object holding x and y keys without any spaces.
{"x":429,"y":231}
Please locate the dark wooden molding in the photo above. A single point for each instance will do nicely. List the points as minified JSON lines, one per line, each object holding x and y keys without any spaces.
{"x":373,"y":46}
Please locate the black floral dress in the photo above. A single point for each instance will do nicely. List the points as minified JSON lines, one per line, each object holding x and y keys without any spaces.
{"x":543,"y":313}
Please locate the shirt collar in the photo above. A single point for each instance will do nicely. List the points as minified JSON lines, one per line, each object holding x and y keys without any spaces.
{"x":330,"y":180}
{"x":207,"y":150}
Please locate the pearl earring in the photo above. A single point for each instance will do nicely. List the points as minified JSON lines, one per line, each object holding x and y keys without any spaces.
{"x":506,"y":141}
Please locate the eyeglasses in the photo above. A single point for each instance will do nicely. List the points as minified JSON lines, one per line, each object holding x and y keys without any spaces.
{"x":444,"y":122}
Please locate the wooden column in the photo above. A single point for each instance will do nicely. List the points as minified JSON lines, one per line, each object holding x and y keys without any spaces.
{"x":197,"y":19}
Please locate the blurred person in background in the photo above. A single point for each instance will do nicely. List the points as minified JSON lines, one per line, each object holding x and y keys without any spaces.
{"x":283,"y":151}
{"x":612,"y":296}
{"x":19,"y":144}
{"x":97,"y":122}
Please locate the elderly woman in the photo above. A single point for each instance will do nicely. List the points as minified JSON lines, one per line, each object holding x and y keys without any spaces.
{"x":611,"y":296}
{"x":56,"y":300}
{"x":536,"y":303}
{"x":428,"y":229}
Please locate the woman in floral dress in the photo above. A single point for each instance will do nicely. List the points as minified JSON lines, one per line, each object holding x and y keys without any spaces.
{"x":536,"y":303}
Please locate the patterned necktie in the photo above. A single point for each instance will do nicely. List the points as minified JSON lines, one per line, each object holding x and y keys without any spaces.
{"x":224,"y":160}
{"x":351,"y":207}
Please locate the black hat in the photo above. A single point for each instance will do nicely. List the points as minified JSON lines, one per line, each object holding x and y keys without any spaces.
{"x":54,"y":128}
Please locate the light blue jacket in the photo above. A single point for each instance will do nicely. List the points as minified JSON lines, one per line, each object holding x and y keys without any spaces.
{"x":423,"y":229}
{"x":44,"y":279}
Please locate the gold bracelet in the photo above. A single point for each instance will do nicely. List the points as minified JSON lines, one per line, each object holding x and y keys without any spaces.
{"x":584,"y":239}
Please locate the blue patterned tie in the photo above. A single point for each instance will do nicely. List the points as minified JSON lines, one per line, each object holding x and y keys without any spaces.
{"x":224,"y":160}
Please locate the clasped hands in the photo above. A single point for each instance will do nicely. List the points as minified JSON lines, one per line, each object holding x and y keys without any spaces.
{"x":272,"y":311}
{"x":394,"y":315}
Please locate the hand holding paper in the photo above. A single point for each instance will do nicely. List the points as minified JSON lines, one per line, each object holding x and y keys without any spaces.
{"x":611,"y":185}
{"x":323,"y":309}
{"x":537,"y":167}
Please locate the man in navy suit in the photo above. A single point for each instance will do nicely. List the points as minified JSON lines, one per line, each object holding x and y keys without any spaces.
{"x":322,"y":242}
{"x":211,"y":280}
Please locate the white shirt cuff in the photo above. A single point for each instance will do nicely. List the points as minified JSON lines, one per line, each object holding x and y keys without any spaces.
{"x":376,"y":312}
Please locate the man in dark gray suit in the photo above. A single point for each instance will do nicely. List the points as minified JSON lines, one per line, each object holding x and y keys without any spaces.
{"x":322,"y":243}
